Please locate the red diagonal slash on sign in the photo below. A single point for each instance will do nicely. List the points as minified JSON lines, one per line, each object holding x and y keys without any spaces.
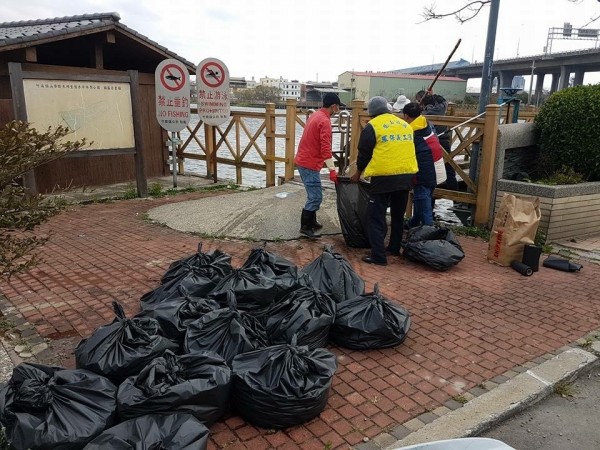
{"x":212,"y":74}
{"x":172,"y":77}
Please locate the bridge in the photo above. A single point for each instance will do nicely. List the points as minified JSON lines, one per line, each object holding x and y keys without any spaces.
{"x":559,"y":65}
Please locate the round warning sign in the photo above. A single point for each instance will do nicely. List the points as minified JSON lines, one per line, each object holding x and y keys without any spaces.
{"x":173,"y":95}
{"x":212,"y":83}
{"x":172,"y":77}
{"x":212,"y":74}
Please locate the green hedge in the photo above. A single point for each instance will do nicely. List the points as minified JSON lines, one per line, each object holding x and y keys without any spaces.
{"x":568,"y":126}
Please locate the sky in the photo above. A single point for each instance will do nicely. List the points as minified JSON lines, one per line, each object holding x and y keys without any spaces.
{"x":317,"y":40}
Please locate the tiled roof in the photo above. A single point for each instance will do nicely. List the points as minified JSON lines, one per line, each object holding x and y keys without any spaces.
{"x":433,"y":67}
{"x":30,"y":31}
{"x":404,"y":75}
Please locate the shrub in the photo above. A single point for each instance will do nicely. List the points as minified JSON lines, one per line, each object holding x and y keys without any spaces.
{"x":23,"y":148}
{"x":564,"y":175}
{"x":567,"y":126}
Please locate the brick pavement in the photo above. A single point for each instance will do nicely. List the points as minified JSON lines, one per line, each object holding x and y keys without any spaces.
{"x":470,"y":324}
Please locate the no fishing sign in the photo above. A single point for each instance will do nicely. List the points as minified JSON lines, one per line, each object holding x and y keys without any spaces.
{"x":172,"y":85}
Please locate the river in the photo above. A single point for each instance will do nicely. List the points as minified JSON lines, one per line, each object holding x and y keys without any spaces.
{"x":250,"y":177}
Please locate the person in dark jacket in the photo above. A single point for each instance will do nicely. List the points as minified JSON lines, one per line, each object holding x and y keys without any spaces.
{"x":431,"y":165}
{"x":436,"y":105}
{"x":386,"y":154}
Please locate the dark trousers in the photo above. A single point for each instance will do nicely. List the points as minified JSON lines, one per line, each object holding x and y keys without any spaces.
{"x":377,"y":223}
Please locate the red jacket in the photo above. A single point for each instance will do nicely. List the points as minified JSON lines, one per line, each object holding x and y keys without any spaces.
{"x":315,"y":144}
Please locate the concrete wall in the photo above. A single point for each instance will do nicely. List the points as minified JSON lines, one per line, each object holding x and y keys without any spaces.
{"x":366,"y":87}
{"x":568,"y":211}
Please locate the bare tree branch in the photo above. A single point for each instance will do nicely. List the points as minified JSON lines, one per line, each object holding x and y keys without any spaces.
{"x":462,"y":15}
{"x":470,"y":10}
{"x":593,"y":19}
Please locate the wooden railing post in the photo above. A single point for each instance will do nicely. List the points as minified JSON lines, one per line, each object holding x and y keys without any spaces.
{"x":487,"y":174}
{"x":210,"y":143}
{"x":290,"y":137}
{"x":270,"y":144}
{"x":357,"y":108}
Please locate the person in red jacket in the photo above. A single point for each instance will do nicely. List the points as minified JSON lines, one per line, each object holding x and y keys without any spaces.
{"x":314,"y":150}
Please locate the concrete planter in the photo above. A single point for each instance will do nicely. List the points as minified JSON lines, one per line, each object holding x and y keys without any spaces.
{"x":568,"y":211}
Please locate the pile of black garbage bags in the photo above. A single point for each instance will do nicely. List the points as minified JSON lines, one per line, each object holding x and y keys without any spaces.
{"x":209,"y":340}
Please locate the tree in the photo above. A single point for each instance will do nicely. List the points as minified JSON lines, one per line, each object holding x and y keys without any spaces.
{"x":259,"y":94}
{"x":472,"y":8}
{"x":23,"y":148}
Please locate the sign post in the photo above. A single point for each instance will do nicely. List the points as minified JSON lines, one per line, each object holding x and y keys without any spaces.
{"x":172,"y":85}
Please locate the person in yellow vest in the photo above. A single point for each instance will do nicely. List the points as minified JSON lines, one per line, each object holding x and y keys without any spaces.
{"x":386,"y":154}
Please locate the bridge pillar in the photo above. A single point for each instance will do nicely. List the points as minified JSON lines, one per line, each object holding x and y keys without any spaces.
{"x":554,"y":85}
{"x":539,"y":87}
{"x":505,"y":79}
{"x":564,"y":78}
{"x":578,"y":81}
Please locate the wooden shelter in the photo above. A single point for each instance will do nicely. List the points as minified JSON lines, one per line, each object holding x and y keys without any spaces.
{"x":87,"y":52}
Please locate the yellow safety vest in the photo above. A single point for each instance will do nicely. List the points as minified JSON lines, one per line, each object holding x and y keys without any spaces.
{"x":394,"y":151}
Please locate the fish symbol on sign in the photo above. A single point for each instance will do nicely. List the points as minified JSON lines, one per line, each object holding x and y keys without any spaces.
{"x":172,"y":77}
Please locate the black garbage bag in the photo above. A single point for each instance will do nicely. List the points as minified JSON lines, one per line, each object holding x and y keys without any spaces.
{"x":198,"y":280}
{"x":198,"y":384}
{"x":369,"y":321}
{"x":252,"y":289}
{"x":227,"y":332}
{"x":269,"y":264}
{"x":332,"y":274}
{"x":435,"y":246}
{"x":306,"y":313}
{"x":175,"y":314}
{"x":352,"y":202}
{"x":282,"y":385}
{"x":122,"y":348}
{"x":182,"y":267}
{"x":154,"y":432}
{"x":51,"y":408}
{"x":287,"y":276}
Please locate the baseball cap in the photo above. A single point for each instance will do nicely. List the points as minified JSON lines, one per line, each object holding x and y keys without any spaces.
{"x":331,"y":98}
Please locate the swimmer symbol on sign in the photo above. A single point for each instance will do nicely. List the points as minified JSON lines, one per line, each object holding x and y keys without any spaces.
{"x":212,"y":75}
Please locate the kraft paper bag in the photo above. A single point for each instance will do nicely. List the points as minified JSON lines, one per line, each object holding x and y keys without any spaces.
{"x":515,"y":225}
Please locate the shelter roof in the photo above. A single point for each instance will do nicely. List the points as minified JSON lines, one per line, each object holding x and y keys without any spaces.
{"x":15,"y":35}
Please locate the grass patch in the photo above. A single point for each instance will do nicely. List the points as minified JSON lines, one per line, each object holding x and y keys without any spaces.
{"x":565,"y":389}
{"x":565,"y":175}
{"x":589,"y":340}
{"x":460,"y":399}
{"x":473,"y":231}
{"x":187,"y":190}
{"x":130,"y":192}
{"x":155,"y":190}
{"x":5,"y":325}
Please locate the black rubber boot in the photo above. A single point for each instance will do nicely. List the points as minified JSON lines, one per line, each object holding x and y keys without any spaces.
{"x":316,"y":225}
{"x":306,"y":226}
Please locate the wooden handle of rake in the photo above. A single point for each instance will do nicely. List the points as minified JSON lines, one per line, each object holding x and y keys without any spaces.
{"x":437,"y":75}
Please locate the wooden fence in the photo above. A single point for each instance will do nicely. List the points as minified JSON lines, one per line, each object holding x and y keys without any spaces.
{"x":233,"y":142}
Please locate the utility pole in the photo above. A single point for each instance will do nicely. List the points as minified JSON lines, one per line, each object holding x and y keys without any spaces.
{"x":486,"y":79}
